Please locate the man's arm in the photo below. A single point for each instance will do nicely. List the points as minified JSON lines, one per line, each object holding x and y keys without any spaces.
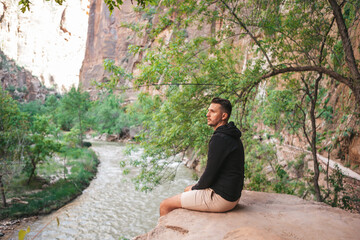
{"x":218,"y":150}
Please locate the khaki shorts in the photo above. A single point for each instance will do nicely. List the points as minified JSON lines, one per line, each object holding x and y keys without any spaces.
{"x":205,"y":200}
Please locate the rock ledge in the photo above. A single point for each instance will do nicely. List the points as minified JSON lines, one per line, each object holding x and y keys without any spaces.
{"x":260,"y":216}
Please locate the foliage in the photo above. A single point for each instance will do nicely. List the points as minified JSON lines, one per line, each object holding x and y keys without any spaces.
{"x":258,"y":156}
{"x":338,"y":193}
{"x":298,"y":108}
{"x":29,"y":140}
{"x":336,"y":181}
{"x":109,"y":114}
{"x":84,"y":165}
{"x":71,"y":138}
{"x":73,"y":108}
{"x":32,"y":108}
{"x":111,"y":4}
{"x":13,"y":124}
{"x":264,"y":173}
{"x":25,"y":4}
{"x":38,"y":146}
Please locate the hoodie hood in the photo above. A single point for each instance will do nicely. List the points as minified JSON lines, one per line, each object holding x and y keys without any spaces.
{"x":229,"y":129}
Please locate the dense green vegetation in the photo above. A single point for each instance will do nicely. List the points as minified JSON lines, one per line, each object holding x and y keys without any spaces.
{"x":43,"y":161}
{"x":82,"y":165}
{"x":43,"y":164}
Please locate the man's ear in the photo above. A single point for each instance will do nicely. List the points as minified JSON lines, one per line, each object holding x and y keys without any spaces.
{"x":224,"y":116}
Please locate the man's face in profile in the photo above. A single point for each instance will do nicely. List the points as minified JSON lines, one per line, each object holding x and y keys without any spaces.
{"x":215,"y":115}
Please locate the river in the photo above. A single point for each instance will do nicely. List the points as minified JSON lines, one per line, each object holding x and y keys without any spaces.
{"x":110,"y":208}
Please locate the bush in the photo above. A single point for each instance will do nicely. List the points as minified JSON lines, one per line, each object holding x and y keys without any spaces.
{"x":59,"y":193}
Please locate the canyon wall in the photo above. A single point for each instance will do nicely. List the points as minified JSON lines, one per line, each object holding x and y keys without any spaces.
{"x":49,"y":40}
{"x":107,"y":38}
{"x":19,"y":82}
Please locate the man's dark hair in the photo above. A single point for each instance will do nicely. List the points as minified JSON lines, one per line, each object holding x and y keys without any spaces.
{"x":225,"y":105}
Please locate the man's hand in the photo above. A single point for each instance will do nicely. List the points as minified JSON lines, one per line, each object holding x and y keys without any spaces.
{"x":188,"y":188}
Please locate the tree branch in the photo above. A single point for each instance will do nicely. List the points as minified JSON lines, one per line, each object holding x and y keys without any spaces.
{"x":343,"y":31}
{"x":248,"y":32}
{"x":171,"y":84}
{"x":324,"y":41}
{"x":318,"y":69}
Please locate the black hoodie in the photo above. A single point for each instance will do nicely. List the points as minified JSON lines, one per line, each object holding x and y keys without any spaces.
{"x":224,"y":172}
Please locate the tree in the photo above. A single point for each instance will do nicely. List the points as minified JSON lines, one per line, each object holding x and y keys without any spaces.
{"x":308,"y":35}
{"x":297,"y":109}
{"x":13,"y":127}
{"x":303,"y":28}
{"x":39,"y":147}
{"x":108,"y":114}
{"x":74,"y":106}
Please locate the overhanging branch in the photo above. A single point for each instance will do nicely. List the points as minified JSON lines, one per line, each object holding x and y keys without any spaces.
{"x":170,"y":84}
{"x":317,"y":69}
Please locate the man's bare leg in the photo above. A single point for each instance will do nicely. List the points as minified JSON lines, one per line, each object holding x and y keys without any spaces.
{"x":170,"y":204}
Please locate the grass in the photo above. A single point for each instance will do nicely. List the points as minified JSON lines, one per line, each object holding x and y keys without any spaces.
{"x":83,"y":163}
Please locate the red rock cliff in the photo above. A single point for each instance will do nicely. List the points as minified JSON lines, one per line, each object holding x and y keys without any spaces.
{"x":107,"y":39}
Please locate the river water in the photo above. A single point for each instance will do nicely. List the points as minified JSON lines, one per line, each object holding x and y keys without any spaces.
{"x":110,"y":208}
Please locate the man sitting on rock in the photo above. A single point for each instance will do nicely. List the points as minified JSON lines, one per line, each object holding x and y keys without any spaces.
{"x":219,"y":188}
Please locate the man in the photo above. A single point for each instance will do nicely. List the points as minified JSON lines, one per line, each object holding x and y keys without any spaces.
{"x":219,"y":188}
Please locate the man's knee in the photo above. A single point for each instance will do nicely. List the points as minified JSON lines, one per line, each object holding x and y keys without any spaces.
{"x":170,"y":204}
{"x":164,"y":204}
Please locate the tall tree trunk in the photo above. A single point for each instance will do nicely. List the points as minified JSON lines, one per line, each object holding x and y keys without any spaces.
{"x":344,"y":34}
{"x":348,"y":50}
{"x":32,"y":171}
{"x":313,"y":95}
{"x":314,"y":138}
{"x":2,"y":189}
{"x":316,"y":167}
{"x":356,"y":92}
{"x":81,"y":131}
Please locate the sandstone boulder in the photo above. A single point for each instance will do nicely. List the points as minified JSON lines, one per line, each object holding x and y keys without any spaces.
{"x":260,"y":216}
